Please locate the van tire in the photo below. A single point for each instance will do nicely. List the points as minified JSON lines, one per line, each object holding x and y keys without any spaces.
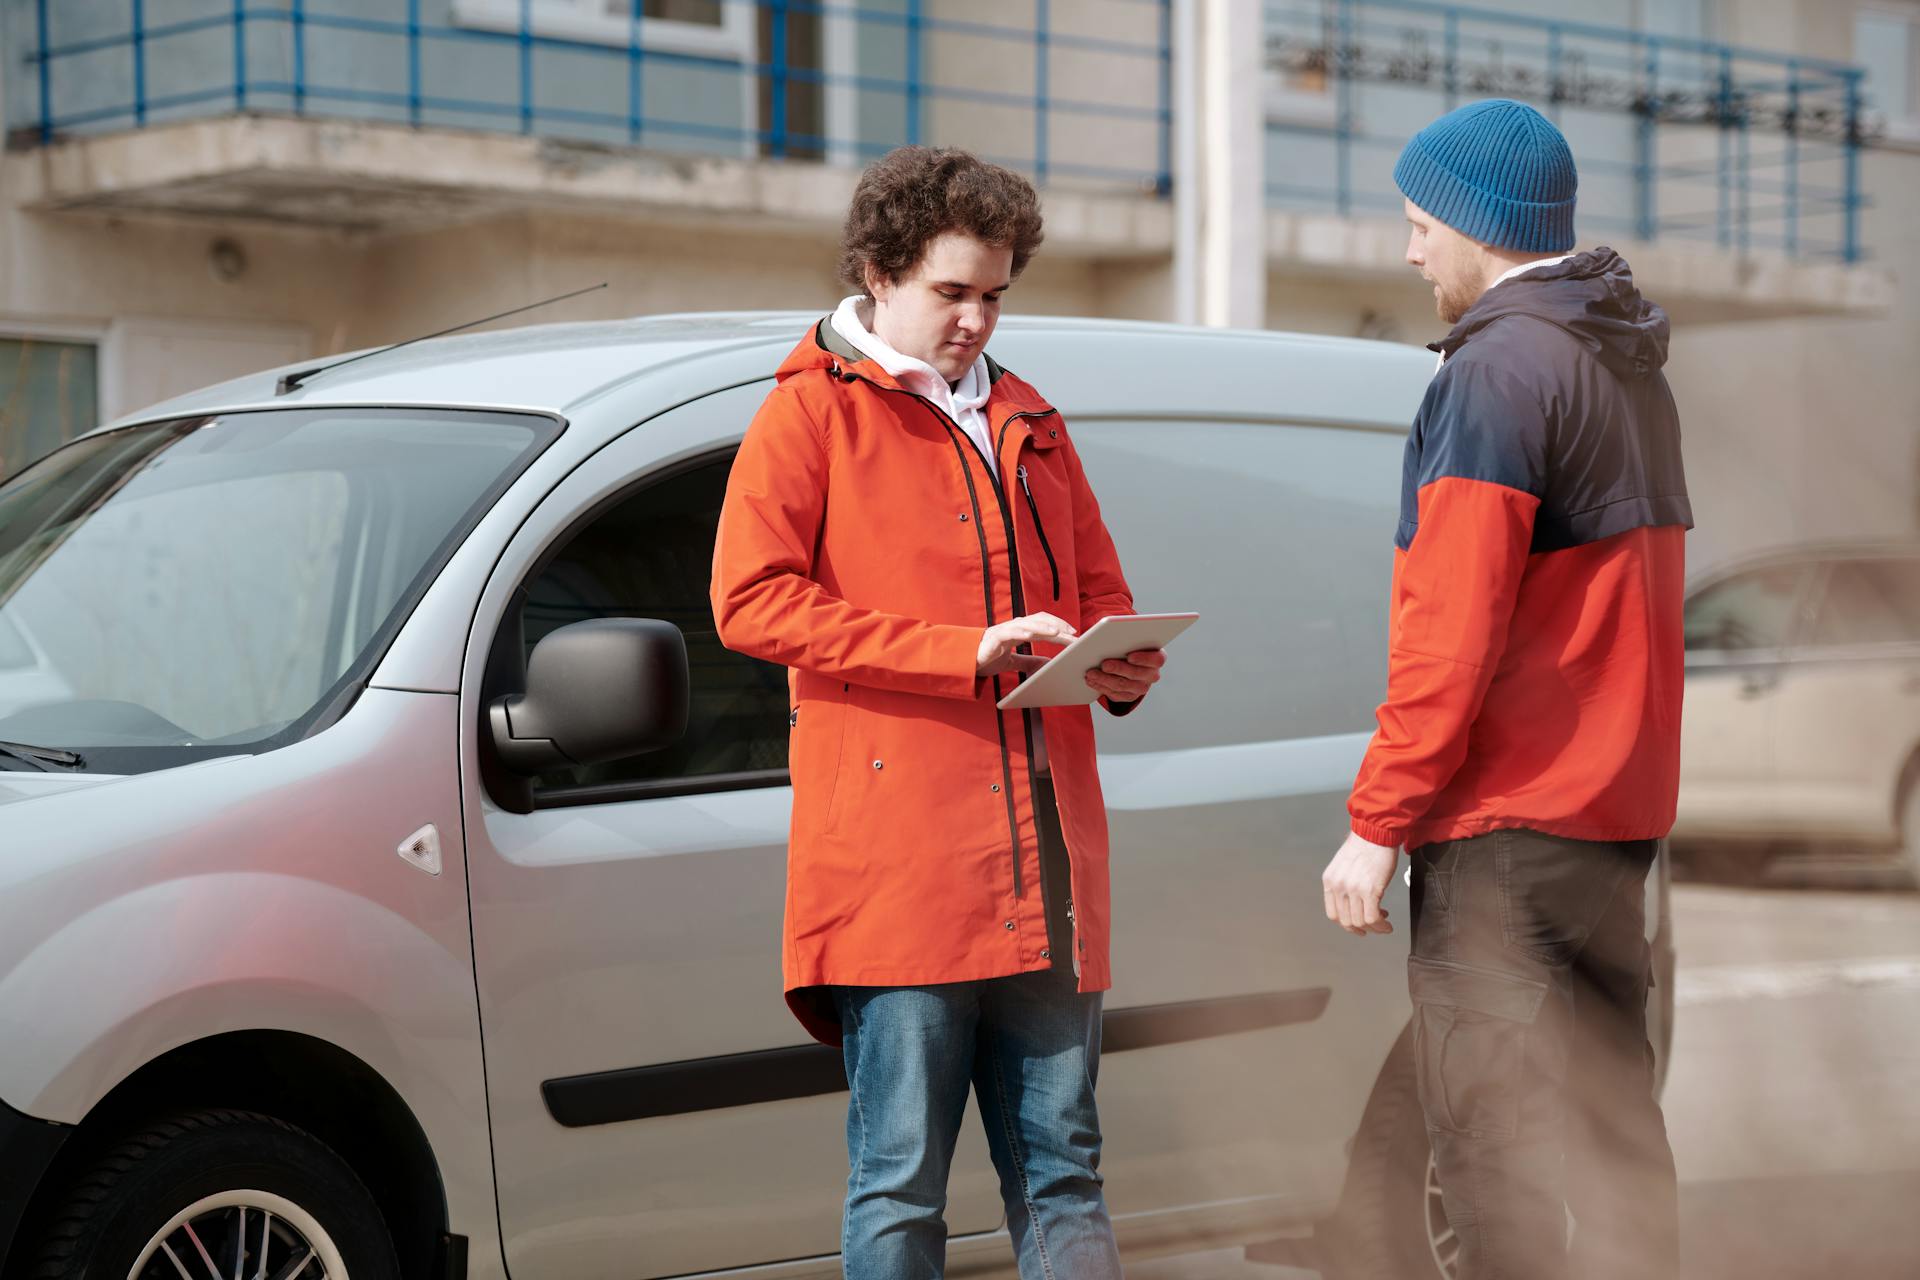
{"x":1381,"y":1229}
{"x":118,"y":1205}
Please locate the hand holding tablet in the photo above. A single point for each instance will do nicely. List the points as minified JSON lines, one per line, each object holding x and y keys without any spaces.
{"x":1062,"y":681}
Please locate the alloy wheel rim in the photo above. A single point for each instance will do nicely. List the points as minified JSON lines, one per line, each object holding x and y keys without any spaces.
{"x":1442,"y":1245}
{"x":240,"y":1235}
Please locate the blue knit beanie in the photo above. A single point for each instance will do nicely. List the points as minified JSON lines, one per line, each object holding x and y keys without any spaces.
{"x":1495,"y":171}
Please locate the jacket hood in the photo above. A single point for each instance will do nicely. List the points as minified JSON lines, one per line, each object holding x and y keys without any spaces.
{"x":1590,"y":296}
{"x":824,"y":348}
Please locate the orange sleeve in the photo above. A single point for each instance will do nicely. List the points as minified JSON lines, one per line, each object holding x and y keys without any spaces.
{"x":1453,"y":597}
{"x":765,"y":601}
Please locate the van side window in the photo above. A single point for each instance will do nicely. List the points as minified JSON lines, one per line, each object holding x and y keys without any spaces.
{"x":651,"y":556}
{"x":1754,"y":610}
{"x":1871,"y":602}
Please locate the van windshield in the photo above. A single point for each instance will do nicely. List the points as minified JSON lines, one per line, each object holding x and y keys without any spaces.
{"x":220,"y":585}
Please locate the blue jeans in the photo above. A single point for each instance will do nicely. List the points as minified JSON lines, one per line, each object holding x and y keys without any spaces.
{"x":1029,"y":1046}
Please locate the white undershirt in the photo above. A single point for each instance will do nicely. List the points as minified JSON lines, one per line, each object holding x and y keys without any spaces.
{"x":1525,"y":267}
{"x":965,"y":402}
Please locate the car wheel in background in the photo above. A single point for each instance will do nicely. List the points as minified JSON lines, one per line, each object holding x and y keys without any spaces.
{"x":1910,"y":823}
{"x":212,"y":1194}
{"x":1390,"y":1224}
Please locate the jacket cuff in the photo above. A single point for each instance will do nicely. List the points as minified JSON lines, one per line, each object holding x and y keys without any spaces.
{"x":956,"y":662}
{"x":1374,"y":833}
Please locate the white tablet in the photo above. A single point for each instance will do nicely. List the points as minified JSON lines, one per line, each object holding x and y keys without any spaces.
{"x":1063,"y":681}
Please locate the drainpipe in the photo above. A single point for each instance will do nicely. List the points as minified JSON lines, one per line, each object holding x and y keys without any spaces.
{"x":1187,"y":177}
{"x":1233,"y":159}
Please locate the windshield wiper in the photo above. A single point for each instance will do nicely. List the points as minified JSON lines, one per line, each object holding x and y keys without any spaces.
{"x":43,"y":758}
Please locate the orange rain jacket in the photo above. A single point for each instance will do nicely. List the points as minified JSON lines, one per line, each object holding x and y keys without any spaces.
{"x":865,"y":545}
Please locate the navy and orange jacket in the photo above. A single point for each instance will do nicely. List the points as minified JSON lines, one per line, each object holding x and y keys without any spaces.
{"x":1535,"y":644}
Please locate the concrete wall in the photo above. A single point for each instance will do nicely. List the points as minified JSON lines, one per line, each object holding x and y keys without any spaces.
{"x":147,"y":291}
{"x":426,"y":281}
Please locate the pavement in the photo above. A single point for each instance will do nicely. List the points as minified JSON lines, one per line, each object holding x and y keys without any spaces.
{"x":1793,"y":1101}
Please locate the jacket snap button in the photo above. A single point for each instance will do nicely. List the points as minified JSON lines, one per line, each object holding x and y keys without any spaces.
{"x":1009,"y":924}
{"x":1045,"y":954}
{"x":879,"y":764}
{"x":1054,"y":432}
{"x":996,"y":786}
{"x":964,"y":517}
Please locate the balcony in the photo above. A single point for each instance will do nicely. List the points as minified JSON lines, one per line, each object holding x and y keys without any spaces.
{"x":1678,"y":138}
{"x":380,"y":114}
{"x":1737,"y":172}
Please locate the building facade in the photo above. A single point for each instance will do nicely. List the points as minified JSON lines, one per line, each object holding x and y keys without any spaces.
{"x":196,"y":188}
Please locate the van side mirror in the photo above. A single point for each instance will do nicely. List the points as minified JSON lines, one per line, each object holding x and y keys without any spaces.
{"x":598,"y":690}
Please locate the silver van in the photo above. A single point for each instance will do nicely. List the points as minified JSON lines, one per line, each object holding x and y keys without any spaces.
{"x":391,"y":877}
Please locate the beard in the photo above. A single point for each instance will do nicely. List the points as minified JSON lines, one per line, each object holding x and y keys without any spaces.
{"x":1454,"y":300}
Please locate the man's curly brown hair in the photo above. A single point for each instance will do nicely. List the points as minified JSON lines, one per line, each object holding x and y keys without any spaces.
{"x":912,"y":195}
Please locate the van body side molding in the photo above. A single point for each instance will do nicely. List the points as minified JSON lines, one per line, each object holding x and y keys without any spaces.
{"x":807,"y":1071}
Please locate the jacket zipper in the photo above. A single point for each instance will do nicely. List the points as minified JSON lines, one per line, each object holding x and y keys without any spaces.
{"x":1020,"y":610}
{"x":1019,"y":602}
{"x":986,"y":570}
{"x":1040,"y":528}
{"x":1073,"y":926}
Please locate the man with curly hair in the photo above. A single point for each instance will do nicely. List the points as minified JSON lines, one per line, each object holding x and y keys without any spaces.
{"x":909,"y":530}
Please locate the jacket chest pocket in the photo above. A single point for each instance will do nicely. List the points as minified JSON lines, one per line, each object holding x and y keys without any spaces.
{"x":1023,"y":479}
{"x":1043,"y":499}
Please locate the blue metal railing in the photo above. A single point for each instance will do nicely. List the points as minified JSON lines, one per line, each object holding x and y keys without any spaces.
{"x":1664,"y":127}
{"x":283,"y":58}
{"x":1668,"y":130}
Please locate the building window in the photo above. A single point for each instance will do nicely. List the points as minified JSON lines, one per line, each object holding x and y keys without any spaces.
{"x":1871,"y":602}
{"x":718,"y":28}
{"x":49,"y":394}
{"x":705,"y":12}
{"x":805,"y":118}
{"x":1755,"y":610}
{"x":1887,"y":45}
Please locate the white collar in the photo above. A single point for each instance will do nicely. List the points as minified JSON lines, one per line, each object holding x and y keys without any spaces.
{"x":970,"y":393}
{"x":1525,"y":267}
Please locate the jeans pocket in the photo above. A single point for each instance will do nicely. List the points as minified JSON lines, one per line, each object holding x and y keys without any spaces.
{"x":1433,"y":870}
{"x":1470,"y":1044}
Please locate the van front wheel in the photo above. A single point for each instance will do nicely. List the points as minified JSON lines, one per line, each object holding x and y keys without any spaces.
{"x":214,"y":1194}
